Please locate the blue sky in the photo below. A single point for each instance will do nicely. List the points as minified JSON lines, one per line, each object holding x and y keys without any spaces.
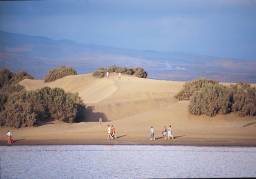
{"x":223,"y":28}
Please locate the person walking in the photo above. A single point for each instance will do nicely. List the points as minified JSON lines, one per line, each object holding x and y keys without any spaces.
{"x":113,"y":132}
{"x":9,"y":139}
{"x":107,"y":74}
{"x":109,"y":132}
{"x":100,"y":120}
{"x":169,"y":133}
{"x":119,"y":75}
{"x":152,"y":133}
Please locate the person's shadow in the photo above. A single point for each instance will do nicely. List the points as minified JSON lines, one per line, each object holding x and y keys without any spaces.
{"x":175,"y":137}
{"x":120,"y":136}
{"x":17,"y":140}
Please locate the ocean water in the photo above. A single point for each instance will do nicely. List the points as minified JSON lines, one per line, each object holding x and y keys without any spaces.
{"x":125,"y":161}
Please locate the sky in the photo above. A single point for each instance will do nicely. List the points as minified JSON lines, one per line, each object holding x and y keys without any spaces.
{"x":221,"y":28}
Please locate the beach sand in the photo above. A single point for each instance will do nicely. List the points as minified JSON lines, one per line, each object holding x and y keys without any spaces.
{"x":132,"y":105}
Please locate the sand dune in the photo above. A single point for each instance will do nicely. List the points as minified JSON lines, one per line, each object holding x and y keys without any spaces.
{"x":133,"y":105}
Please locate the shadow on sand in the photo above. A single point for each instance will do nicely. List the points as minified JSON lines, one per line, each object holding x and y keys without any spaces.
{"x":249,"y":124}
{"x":120,"y":136}
{"x":88,"y":115}
{"x":84,"y":115}
{"x":15,"y":141}
{"x":175,"y":137}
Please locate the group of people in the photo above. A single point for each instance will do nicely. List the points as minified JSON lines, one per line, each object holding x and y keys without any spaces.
{"x":111,"y":132}
{"x":166,"y":133}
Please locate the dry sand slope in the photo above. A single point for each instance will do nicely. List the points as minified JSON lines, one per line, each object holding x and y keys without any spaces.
{"x":133,"y":105}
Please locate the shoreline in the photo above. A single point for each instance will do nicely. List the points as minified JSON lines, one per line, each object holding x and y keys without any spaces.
{"x":177,"y":142}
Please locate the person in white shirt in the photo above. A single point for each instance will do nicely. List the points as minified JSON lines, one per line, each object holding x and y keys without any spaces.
{"x":107,"y":74}
{"x":169,"y":133}
{"x":9,"y":135}
{"x":152,"y":133}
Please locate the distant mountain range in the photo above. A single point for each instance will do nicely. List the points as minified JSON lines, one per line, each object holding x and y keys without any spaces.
{"x":37,"y":55}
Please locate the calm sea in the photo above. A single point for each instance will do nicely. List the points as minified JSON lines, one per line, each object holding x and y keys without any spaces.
{"x":125,"y":161}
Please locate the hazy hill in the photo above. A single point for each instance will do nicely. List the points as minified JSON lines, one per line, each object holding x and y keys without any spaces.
{"x":38,"y":54}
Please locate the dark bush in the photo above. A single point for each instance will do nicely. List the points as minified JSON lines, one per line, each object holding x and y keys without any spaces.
{"x":100,"y":73}
{"x":5,"y":77}
{"x":3,"y":100}
{"x":244,"y":99}
{"x":139,"y":72}
{"x":21,"y":108}
{"x":18,"y":112}
{"x":213,"y":98}
{"x":191,"y":87}
{"x":19,"y":76}
{"x":129,"y":71}
{"x":9,"y":84}
{"x":28,"y":108}
{"x":58,"y":73}
{"x":8,"y":78}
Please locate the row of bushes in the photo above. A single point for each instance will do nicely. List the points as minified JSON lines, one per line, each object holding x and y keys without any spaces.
{"x":63,"y":71}
{"x":210,"y":98}
{"x":21,"y":108}
{"x":60,"y":72}
{"x":29,"y":108}
{"x":138,"y":72}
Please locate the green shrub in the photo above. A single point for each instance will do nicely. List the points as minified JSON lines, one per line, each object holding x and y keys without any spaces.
{"x":190,"y":88}
{"x":129,"y":71}
{"x":18,"y":112}
{"x":214,"y":98}
{"x":19,"y":76}
{"x":3,"y":100}
{"x":5,"y":77}
{"x":8,"y":78}
{"x":9,"y":84}
{"x":58,"y":73}
{"x":139,"y":72}
{"x":100,"y":73}
{"x":29,"y":108}
{"x":210,"y":100}
{"x":244,"y":99}
{"x":21,"y":108}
